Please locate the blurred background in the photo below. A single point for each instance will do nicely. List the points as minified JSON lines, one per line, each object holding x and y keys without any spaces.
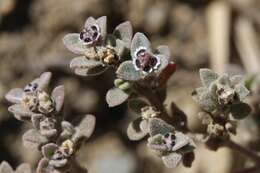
{"x":223,"y":35}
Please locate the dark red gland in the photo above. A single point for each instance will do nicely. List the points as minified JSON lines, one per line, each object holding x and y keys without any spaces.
{"x":145,"y":61}
{"x":90,"y":35}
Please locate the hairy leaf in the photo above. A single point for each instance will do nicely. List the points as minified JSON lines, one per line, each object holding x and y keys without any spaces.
{"x":20,"y":112}
{"x":134,"y":132}
{"x":115,"y":97}
{"x":127,"y":71}
{"x":48,"y":150}
{"x":6,"y":168}
{"x":241,"y":91}
{"x":158,"y":126}
{"x":58,"y":95}
{"x":33,"y":139}
{"x":14,"y":95}
{"x":85,"y":128}
{"x":207,"y":76}
{"x":172,"y":160}
{"x":23,"y":168}
{"x":124,"y":32}
{"x":240,"y":110}
{"x":139,"y":41}
{"x":74,"y":44}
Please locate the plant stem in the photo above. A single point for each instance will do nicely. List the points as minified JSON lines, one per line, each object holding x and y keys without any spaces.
{"x":234,"y":146}
{"x":152,"y":98}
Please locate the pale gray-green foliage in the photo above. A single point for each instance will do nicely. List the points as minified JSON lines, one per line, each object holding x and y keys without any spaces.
{"x":23,"y":168}
{"x":232,"y":89}
{"x":171,"y":153}
{"x":91,"y":63}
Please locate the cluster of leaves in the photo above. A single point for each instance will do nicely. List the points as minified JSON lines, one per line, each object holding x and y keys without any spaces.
{"x":57,"y":139}
{"x":139,"y":68}
{"x":221,"y":99}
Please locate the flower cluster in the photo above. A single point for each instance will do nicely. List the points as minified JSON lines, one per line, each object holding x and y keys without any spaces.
{"x":171,"y":145}
{"x":97,"y":48}
{"x":57,"y":139}
{"x":221,"y":98}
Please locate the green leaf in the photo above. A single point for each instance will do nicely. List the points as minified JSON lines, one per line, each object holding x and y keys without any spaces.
{"x":127,"y":71}
{"x":85,"y":128}
{"x":136,"y":105}
{"x":115,"y":97}
{"x":124,"y":32}
{"x":86,"y":67}
{"x":58,"y":95}
{"x":206,"y":102}
{"x":207,"y":76}
{"x":236,"y":79}
{"x":48,"y":150}
{"x":197,"y":92}
{"x":180,"y":141}
{"x":33,"y":139}
{"x":6,"y":168}
{"x":74,"y":44}
{"x":158,"y":126}
{"x":134,"y":132}
{"x":241,"y":91}
{"x":14,"y":95}
{"x":23,"y":168}
{"x":240,"y":110}
{"x":139,"y":40}
{"x":172,"y":160}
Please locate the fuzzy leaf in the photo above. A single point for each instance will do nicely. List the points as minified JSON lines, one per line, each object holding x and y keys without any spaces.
{"x":90,"y":21}
{"x":139,"y":40}
{"x":85,"y":128}
{"x":127,"y":71}
{"x":42,"y":166}
{"x":134,"y":132}
{"x":20,"y":112}
{"x":124,"y":32}
{"x":240,"y":110}
{"x":224,"y":80}
{"x":241,"y":91}
{"x":67,"y":129}
{"x":14,"y":95}
{"x":164,"y":62}
{"x":181,"y":141}
{"x":136,"y":105}
{"x":102,"y":23}
{"x":197,"y":92}
{"x":74,"y":44}
{"x":236,"y":79}
{"x":155,"y":143}
{"x":86,"y":67}
{"x":172,"y":160}
{"x":158,"y":126}
{"x":164,"y":50}
{"x":207,"y":76}
{"x":206,"y":102}
{"x":120,"y":48}
{"x":36,"y":118}
{"x":44,"y":80}
{"x":48,"y":150}
{"x":6,"y":168}
{"x":23,"y":168}
{"x":115,"y":97}
{"x":58,"y":95}
{"x":33,"y":139}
